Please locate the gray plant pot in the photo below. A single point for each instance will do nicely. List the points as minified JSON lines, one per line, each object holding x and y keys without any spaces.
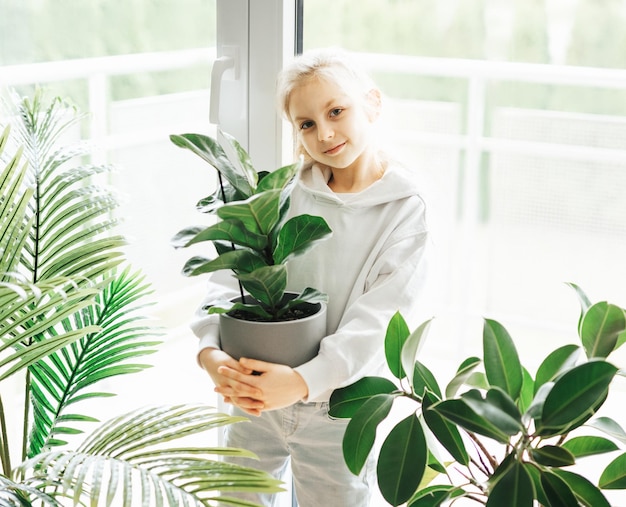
{"x":292,"y":342}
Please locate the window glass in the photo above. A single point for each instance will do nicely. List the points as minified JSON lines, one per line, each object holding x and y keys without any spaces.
{"x":515,"y":113}
{"x":141,"y":70}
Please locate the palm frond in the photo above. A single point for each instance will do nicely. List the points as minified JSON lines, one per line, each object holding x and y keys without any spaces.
{"x":127,"y":458}
{"x":13,"y":494}
{"x":62,"y":378}
{"x":70,"y":212}
{"x":14,"y":199}
{"x":28,"y":310}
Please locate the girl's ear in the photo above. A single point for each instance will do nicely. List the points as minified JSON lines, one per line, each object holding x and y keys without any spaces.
{"x":374,"y":104}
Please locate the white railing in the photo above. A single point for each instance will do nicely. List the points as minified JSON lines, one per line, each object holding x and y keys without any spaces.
{"x":471,"y":139}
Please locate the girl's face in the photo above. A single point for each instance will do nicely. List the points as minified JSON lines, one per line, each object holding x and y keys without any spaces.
{"x":334,"y":127}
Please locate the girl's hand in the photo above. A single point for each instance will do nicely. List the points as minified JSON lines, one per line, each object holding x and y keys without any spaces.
{"x":273,"y":385}
{"x":215,"y":361}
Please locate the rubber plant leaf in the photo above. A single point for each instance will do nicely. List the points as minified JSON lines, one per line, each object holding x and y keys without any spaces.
{"x":460,"y":413}
{"x":600,"y":328}
{"x":502,"y":364}
{"x":445,"y":432}
{"x":555,"y":364}
{"x":346,"y":401}
{"x":411,"y":348}
{"x":513,"y":489}
{"x":575,"y":393}
{"x":424,"y":380}
{"x":360,"y":433}
{"x":402,"y":461}
{"x":463,"y":372}
{"x":589,"y":445}
{"x":557,"y":491}
{"x":552,"y":456}
{"x":396,"y":335}
{"x":614,"y":475}
{"x":584,"y":490}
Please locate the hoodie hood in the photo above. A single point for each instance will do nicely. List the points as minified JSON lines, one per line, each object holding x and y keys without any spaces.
{"x":396,"y":183}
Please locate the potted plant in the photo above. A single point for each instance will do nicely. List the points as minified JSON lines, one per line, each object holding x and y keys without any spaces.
{"x":70,"y":316}
{"x":255,"y":239}
{"x":510,"y":437}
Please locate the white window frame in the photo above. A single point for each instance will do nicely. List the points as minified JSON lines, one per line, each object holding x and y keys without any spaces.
{"x":259,"y":37}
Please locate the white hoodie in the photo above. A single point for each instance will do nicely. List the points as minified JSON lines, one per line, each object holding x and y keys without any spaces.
{"x":373,"y":265}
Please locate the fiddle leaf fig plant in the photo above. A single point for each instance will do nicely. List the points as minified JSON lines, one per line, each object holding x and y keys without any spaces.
{"x":508,"y":438}
{"x":253,"y":236}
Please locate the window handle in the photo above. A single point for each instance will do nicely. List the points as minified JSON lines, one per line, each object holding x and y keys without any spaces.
{"x":220,"y":66}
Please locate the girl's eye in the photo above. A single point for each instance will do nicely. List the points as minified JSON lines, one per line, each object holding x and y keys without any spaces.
{"x":306,"y":125}
{"x":336,"y":112}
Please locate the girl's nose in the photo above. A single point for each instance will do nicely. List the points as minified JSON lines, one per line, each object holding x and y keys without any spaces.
{"x":325,"y":132}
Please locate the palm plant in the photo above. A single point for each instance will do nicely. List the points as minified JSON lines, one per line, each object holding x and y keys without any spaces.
{"x":69,"y":318}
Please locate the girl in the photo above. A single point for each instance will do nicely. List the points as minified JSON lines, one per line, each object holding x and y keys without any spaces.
{"x":371,"y":267}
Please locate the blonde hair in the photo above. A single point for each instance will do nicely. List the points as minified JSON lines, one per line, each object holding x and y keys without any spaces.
{"x":334,"y":65}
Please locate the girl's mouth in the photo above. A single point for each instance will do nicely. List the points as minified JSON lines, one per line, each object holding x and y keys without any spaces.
{"x":335,"y":149}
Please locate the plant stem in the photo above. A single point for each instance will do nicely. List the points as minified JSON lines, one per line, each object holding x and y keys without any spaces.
{"x":219,"y":177}
{"x":26,"y":413}
{"x":490,"y":458}
{"x":5,"y":456}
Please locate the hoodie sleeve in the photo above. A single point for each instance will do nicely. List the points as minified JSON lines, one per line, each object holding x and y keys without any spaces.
{"x":221,"y":285}
{"x":397,"y":281}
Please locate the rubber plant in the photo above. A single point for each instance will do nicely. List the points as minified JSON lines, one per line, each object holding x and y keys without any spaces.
{"x":252,"y":236}
{"x":70,"y":316}
{"x":509,"y":438}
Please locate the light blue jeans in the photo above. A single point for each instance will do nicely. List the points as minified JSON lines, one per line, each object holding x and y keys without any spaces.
{"x":306,"y":436}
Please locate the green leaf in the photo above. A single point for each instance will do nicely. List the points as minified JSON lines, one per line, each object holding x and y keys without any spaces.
{"x":500,"y":399}
{"x":424,"y":380}
{"x":463,"y":372}
{"x":535,"y":475}
{"x":589,"y":446}
{"x":502,"y":364}
{"x":557,"y":491}
{"x":258,"y":213}
{"x":553,"y":456}
{"x":614,"y":475}
{"x":433,"y":496}
{"x":397,"y":333}
{"x":243,"y":261}
{"x":242,"y":160}
{"x":298,"y":235}
{"x":445,"y":432}
{"x":308,"y":296}
{"x":278,"y":179}
{"x":513,"y":489}
{"x":527,"y":392}
{"x":462,"y":414}
{"x":226,"y":230}
{"x":609,"y":427}
{"x":600,"y":328}
{"x":557,"y":362}
{"x":410,"y":348}
{"x":575,"y":395}
{"x":360,"y":433}
{"x":402,"y":461}
{"x":585,"y":492}
{"x":210,"y":151}
{"x":585,"y":303}
{"x":345,"y":402}
{"x":266,"y":284}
